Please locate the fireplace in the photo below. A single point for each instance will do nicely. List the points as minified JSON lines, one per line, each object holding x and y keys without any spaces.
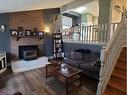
{"x":28,"y":52}
{"x":30,"y":55}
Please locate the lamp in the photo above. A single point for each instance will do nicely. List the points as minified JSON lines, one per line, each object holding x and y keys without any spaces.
{"x":47,"y":29}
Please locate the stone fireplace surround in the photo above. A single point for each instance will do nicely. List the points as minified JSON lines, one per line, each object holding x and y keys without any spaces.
{"x":26,"y":42}
{"x":19,"y":65}
{"x":28,"y":52}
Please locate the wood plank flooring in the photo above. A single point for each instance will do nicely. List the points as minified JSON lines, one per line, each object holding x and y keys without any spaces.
{"x":34,"y":83}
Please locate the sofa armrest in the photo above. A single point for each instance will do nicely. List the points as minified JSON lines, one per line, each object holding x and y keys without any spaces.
{"x":68,"y":55}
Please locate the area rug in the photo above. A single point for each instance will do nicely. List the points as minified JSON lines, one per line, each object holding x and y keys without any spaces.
{"x":22,"y":66}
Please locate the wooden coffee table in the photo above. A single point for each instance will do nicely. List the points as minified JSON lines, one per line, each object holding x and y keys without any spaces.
{"x":64,"y":73}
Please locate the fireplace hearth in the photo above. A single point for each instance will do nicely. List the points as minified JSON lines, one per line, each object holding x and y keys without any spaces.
{"x":28,"y":52}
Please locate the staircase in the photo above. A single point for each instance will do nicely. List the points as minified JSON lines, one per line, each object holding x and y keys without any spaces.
{"x":112,"y":80}
{"x":117,"y":84}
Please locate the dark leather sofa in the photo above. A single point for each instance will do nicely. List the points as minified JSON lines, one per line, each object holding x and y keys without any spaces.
{"x":86,"y":60}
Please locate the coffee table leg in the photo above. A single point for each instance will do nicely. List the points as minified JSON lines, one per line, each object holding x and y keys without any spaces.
{"x":80,"y":79}
{"x":46,"y":73}
{"x":67,"y":91}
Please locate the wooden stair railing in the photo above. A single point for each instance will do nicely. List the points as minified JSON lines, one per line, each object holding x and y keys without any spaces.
{"x":109,"y":63}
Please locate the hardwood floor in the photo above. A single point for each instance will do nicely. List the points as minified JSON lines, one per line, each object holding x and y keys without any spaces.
{"x":34,"y":83}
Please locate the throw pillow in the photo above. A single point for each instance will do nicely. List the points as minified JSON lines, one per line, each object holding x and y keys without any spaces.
{"x":76,"y":56}
{"x":87,"y":58}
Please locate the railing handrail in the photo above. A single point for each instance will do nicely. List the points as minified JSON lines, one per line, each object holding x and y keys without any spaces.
{"x":113,"y":37}
{"x":90,"y":25}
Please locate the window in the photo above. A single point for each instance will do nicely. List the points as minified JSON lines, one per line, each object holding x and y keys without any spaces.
{"x":66,"y":22}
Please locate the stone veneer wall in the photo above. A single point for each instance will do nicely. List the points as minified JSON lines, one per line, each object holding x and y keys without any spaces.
{"x":27,"y":20}
{"x":24,"y":41}
{"x":34,"y":19}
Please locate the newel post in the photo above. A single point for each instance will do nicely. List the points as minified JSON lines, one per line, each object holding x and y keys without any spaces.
{"x":101,"y":75}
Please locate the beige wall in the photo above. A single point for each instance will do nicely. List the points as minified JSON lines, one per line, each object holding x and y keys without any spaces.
{"x":116,"y":13}
{"x":95,"y":20}
{"x":39,"y":19}
{"x":27,"y":20}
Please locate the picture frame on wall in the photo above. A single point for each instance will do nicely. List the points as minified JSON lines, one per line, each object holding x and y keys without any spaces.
{"x":28,"y":32}
{"x":14,"y":32}
{"x":41,"y":33}
{"x":20,"y":28}
{"x":34,"y":33}
{"x":21,"y":31}
{"x":35,"y":29}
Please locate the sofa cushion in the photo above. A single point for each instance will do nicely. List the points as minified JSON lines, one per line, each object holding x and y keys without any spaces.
{"x":83,"y":51}
{"x":93,"y":56}
{"x":74,"y":63}
{"x":89,"y":67}
{"x":76,"y":56}
{"x":93,"y":75}
{"x":90,"y":71}
{"x":87,"y":58}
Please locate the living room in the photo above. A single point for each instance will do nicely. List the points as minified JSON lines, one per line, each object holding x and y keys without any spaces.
{"x":35,"y":61}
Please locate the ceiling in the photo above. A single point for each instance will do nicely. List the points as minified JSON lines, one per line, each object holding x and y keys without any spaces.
{"x":91,"y":7}
{"x":25,"y":5}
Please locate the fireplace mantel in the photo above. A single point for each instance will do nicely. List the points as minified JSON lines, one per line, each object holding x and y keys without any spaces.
{"x":20,"y":37}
